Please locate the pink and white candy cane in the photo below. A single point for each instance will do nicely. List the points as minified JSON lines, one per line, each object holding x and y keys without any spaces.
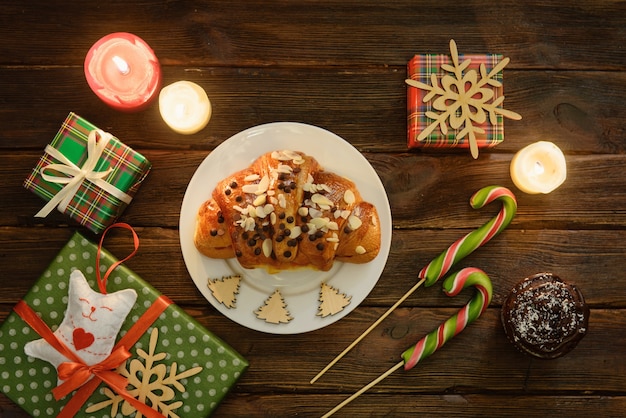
{"x":434,"y":340}
{"x":464,"y":246}
{"x":452,"y":286}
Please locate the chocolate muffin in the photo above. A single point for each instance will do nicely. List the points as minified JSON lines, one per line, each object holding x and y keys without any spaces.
{"x":544,"y":316}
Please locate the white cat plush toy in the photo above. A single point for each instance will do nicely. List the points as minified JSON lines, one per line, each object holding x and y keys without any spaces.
{"x":90,"y":326}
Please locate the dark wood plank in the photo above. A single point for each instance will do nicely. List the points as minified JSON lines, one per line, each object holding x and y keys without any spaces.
{"x":333,"y":33}
{"x":593,"y":259}
{"x":424,"y":191}
{"x":365,"y":106}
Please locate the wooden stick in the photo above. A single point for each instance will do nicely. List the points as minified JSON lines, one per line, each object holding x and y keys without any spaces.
{"x":367,"y":331}
{"x":364,"y":389}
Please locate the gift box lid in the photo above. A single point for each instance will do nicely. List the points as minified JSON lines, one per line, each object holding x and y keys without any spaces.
{"x":181,"y":365}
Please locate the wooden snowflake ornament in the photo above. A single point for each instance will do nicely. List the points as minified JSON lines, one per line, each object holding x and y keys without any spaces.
{"x":331,"y":301}
{"x":463,"y":99}
{"x":225,"y":290}
{"x":275,"y":310}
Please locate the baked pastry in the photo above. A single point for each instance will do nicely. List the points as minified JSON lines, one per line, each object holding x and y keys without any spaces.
{"x":285,"y":212}
{"x":544,"y":316}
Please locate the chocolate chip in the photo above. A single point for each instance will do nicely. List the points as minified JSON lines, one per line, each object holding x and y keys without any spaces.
{"x":287,"y":254}
{"x":239,"y":198}
{"x":238,"y":253}
{"x":304,"y":228}
{"x":320,"y":246}
{"x":292,"y":243}
{"x":227,"y":192}
{"x":290,"y":219}
{"x":257,"y":251}
{"x":233,"y":185}
{"x":213,"y":232}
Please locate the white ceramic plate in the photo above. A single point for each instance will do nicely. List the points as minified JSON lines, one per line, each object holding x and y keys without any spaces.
{"x":300,"y":289}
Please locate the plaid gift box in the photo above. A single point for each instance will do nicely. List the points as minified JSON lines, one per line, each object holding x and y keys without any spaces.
{"x":87,"y":174}
{"x":421,"y":68}
{"x":177,"y":366}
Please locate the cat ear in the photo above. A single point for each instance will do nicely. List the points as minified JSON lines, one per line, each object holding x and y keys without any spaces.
{"x":124,"y":300}
{"x":78,"y":282}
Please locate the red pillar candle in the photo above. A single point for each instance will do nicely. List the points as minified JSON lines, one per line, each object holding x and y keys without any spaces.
{"x":123,"y":71}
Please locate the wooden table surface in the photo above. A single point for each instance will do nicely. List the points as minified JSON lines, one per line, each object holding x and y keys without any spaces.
{"x":341,"y":65}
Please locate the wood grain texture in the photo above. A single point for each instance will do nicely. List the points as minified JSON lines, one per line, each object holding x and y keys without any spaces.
{"x":341,"y":65}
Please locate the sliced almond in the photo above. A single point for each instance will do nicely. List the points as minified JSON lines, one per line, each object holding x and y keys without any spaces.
{"x":296,"y":231}
{"x":314,"y":213}
{"x":260,"y":200}
{"x":263,"y":185}
{"x":283,"y":168}
{"x":252,"y":177}
{"x":267,"y":247}
{"x":250,"y":188}
{"x":360,"y":250}
{"x":320,"y":222}
{"x":354,"y":222}
{"x":349,"y":197}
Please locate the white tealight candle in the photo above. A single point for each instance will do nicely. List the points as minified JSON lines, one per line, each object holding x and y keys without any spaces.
{"x":538,"y":168}
{"x":185,"y":107}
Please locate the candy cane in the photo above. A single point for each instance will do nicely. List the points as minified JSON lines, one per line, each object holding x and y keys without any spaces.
{"x":440,"y":266}
{"x":466,"y":245}
{"x":455,"y":324}
{"x":434,"y":340}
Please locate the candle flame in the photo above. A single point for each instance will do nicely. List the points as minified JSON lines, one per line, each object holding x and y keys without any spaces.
{"x":121,"y":65}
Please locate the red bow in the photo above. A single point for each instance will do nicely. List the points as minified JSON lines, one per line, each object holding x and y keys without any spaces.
{"x":75,"y":374}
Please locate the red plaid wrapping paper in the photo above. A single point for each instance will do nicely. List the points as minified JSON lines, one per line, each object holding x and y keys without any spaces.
{"x":420,"y":68}
{"x":91,"y":206}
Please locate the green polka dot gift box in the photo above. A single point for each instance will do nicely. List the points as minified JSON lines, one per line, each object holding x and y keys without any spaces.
{"x":82,"y":345}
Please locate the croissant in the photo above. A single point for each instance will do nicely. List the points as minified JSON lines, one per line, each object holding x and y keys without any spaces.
{"x":285,"y":212}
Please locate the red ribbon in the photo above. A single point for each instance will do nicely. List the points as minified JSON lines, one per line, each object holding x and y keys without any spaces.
{"x":102,"y":281}
{"x":75,"y":373}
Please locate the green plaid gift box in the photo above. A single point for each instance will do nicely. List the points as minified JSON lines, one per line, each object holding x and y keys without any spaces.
{"x":181,"y":368}
{"x":87,"y":174}
{"x":420,"y":68}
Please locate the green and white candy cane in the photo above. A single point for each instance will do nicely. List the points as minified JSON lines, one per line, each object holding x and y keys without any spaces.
{"x":464,"y":246}
{"x":452,"y":286}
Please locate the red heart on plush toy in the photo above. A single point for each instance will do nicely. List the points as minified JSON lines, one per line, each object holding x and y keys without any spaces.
{"x":82,"y":338}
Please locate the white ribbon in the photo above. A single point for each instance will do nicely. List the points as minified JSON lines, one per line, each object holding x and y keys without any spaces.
{"x":95,"y":148}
